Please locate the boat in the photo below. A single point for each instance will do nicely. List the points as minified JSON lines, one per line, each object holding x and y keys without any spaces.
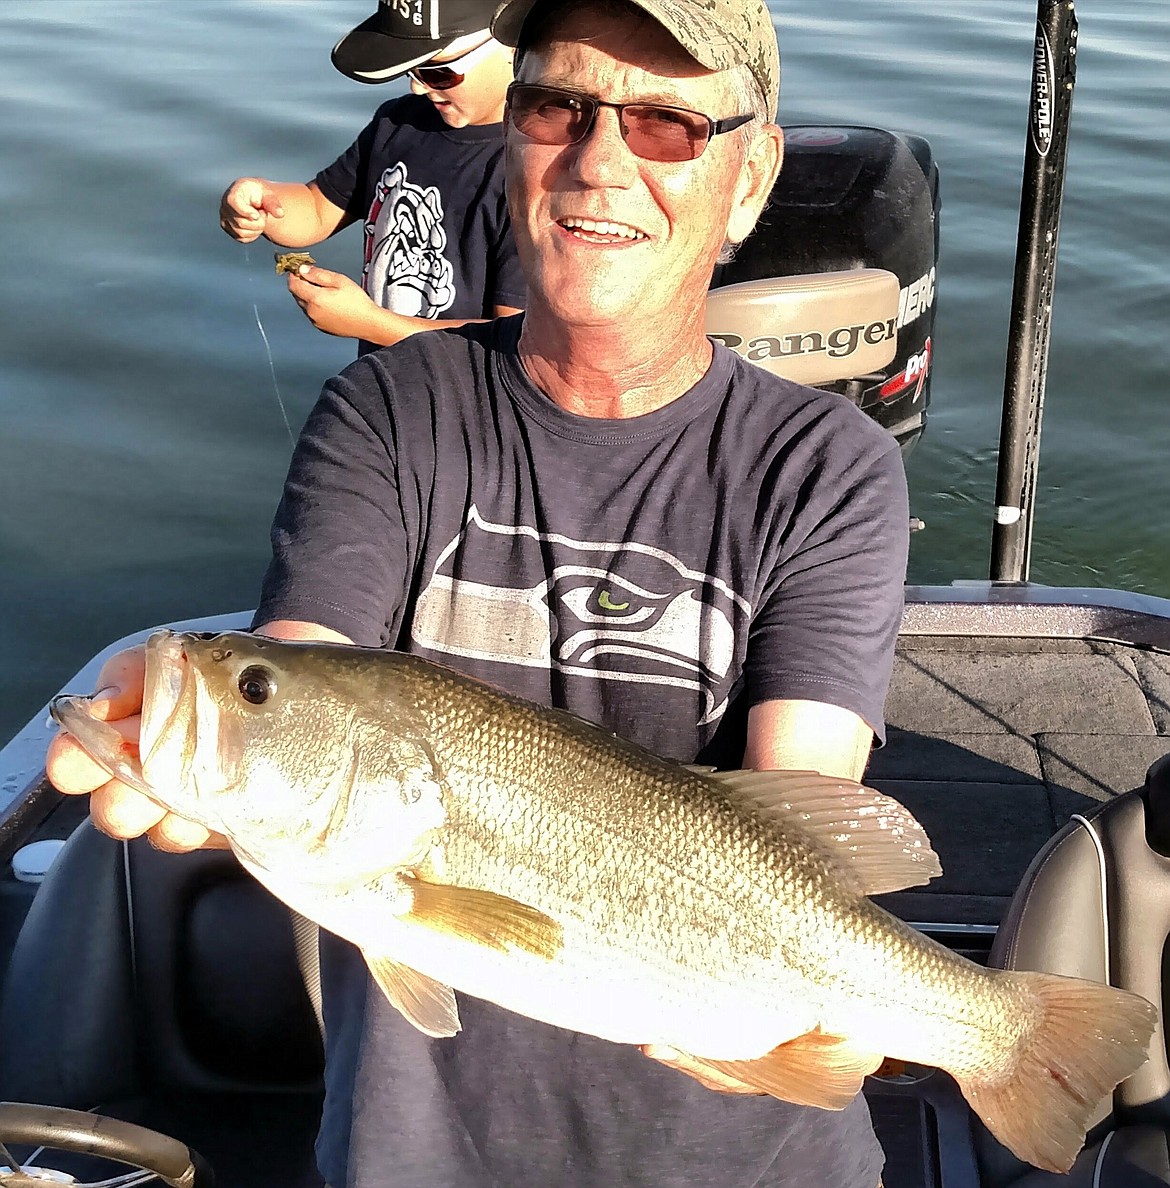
{"x":157,"y":1012}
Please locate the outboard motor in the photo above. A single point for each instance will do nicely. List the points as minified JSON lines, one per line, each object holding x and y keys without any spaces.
{"x":836,"y":286}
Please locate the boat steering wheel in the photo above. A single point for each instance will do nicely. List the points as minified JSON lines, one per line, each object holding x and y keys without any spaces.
{"x":152,"y":1157}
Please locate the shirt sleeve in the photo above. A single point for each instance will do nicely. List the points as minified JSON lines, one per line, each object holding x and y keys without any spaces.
{"x":346,"y":182}
{"x":340,"y":553}
{"x":509,"y":287}
{"x":832,"y":607}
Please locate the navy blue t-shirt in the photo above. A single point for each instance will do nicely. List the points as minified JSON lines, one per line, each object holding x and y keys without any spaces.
{"x":437,"y":238}
{"x":657,"y":574}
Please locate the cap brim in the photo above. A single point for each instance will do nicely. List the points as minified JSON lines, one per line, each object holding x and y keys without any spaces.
{"x":371,"y":56}
{"x":511,"y":15}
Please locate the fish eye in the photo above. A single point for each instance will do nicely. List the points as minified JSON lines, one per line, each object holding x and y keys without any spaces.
{"x":257,"y":684}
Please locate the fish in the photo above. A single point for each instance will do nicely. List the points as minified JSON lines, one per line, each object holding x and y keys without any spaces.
{"x":291,"y":261}
{"x":467,"y":840}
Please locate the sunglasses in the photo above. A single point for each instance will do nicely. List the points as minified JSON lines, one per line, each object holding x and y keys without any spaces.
{"x":651,"y":131}
{"x":443,"y":77}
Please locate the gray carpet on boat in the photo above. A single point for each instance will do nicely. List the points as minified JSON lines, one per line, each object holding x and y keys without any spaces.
{"x":1154,"y":670}
{"x":995,"y":742}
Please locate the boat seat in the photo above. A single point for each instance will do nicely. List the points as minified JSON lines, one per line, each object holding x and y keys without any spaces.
{"x":164,"y":990}
{"x":1095,"y":903}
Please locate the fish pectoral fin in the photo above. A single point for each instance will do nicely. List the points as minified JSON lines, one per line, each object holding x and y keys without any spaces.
{"x":814,"y":1069}
{"x":874,"y":842}
{"x":428,"y":1004}
{"x":484,"y":917}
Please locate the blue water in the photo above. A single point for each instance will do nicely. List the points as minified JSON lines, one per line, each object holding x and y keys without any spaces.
{"x":143,"y":438}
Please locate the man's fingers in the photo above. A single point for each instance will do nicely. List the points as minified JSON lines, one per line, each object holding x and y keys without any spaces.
{"x":120,"y":685}
{"x":123,"y":812}
{"x":177,"y":835}
{"x":126,"y":813}
{"x":270,"y":204}
{"x":69,"y":766}
{"x":117,"y":809}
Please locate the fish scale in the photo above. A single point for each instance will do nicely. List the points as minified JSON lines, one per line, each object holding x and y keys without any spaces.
{"x":572,"y":800}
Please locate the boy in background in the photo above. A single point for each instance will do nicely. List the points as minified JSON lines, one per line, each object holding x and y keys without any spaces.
{"x":426,"y":176}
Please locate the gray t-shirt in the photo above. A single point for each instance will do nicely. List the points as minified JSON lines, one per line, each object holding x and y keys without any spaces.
{"x":658,"y":575}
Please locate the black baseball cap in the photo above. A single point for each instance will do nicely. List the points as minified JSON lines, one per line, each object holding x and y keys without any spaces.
{"x":403,"y":33}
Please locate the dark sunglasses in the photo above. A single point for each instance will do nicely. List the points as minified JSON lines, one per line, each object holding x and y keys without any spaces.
{"x":651,"y":131}
{"x":444,"y":77}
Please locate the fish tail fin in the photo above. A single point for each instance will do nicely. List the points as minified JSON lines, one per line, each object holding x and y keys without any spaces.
{"x":1087,"y":1039}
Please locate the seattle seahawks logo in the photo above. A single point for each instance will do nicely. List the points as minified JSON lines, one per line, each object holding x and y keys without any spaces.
{"x":617,"y":611}
{"x":405,"y":268}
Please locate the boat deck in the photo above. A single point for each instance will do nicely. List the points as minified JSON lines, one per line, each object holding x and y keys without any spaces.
{"x":995,"y":742}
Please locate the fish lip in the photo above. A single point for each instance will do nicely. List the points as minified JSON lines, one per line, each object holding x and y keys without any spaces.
{"x":167,"y":673}
{"x":99,"y":739}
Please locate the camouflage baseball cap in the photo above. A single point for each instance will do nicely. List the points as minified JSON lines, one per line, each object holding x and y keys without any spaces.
{"x":718,"y":34}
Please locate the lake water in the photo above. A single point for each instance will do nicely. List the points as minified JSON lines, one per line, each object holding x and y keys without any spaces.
{"x":143,"y":435}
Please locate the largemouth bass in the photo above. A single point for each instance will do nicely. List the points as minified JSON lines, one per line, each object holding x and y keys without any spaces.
{"x":467,"y":840}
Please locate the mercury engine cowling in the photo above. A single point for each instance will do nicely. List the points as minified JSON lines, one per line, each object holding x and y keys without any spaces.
{"x":836,"y":286}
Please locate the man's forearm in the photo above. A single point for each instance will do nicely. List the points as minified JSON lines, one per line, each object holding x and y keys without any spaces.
{"x":807,"y":736}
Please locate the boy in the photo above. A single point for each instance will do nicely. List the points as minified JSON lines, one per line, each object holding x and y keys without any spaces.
{"x":426,"y":175}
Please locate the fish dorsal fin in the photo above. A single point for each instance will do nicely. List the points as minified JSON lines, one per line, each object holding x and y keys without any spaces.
{"x":428,"y":1004}
{"x":484,"y":917}
{"x":873,"y":840}
{"x":814,"y":1070}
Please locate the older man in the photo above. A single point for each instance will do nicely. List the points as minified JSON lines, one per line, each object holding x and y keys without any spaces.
{"x":592,"y":506}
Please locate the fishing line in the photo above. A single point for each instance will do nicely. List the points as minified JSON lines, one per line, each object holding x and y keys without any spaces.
{"x":267,"y":349}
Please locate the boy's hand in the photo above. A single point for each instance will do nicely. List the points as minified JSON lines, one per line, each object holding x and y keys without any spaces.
{"x":246,"y":208}
{"x":334,"y":303}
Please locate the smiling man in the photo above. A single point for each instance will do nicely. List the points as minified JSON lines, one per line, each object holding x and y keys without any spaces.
{"x":594,"y":507}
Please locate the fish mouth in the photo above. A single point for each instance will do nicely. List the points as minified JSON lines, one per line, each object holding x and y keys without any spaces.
{"x":165,"y":690}
{"x":161,"y":761}
{"x":179,"y":738}
{"x":101,"y":741}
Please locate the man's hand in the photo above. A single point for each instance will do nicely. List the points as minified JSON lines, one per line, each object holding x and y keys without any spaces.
{"x":249,"y":208}
{"x":335,"y":304}
{"x":117,"y":809}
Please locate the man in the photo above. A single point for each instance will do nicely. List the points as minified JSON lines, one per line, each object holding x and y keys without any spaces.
{"x":592,"y":506}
